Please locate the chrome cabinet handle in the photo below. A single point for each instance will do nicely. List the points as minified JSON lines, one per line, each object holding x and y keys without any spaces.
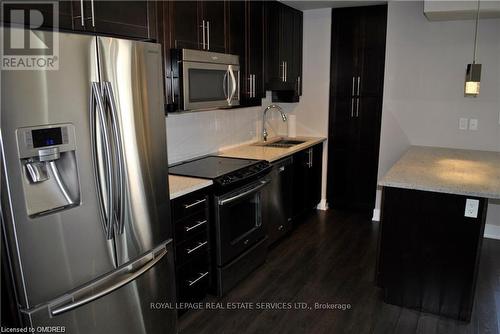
{"x":286,"y":70}
{"x":82,"y":21}
{"x":198,"y":223}
{"x":280,"y":228}
{"x":97,"y":116}
{"x":187,"y":206}
{"x":359,"y":80}
{"x":118,"y":157}
{"x":357,"y":106}
{"x":200,"y":244}
{"x":92,"y":8}
{"x":281,"y":169}
{"x":203,"y":33}
{"x":191,"y":283}
{"x":299,"y":88}
{"x":172,"y":86}
{"x":253,"y":85}
{"x":282,"y":66}
{"x":353,"y":85}
{"x":208,"y":35}
{"x":352,"y":107}
{"x":249,"y":85}
{"x":109,"y":283}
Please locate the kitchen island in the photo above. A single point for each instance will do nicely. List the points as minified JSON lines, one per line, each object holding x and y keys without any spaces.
{"x":434,"y":204}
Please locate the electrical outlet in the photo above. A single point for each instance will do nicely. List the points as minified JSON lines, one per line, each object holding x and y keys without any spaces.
{"x":463,"y":123}
{"x":473,"y":123}
{"x":471,"y":208}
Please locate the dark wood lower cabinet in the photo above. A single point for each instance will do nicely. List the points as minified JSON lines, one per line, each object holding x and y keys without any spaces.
{"x":429,"y":251}
{"x":307,"y":169}
{"x":191,"y":220}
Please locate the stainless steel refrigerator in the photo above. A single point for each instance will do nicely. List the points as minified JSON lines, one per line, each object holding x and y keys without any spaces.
{"x":84,"y":185}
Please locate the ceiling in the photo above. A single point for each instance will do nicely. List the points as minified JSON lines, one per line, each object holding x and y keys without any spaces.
{"x":306,"y":5}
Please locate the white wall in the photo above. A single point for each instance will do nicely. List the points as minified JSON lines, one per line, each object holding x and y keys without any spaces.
{"x":423,"y":89}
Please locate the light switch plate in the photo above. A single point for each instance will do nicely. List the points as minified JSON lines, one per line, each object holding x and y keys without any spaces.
{"x":473,"y":124}
{"x":471,"y":208}
{"x":463,"y":123}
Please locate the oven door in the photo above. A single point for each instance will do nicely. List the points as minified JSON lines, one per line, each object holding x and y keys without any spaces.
{"x":207,"y":85}
{"x":238,"y":217}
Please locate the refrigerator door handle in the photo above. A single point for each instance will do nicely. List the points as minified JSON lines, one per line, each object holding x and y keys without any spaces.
{"x":111,"y":282}
{"x":118,"y":157}
{"x":97,"y":116}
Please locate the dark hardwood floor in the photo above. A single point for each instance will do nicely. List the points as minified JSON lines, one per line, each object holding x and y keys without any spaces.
{"x":331,"y":259}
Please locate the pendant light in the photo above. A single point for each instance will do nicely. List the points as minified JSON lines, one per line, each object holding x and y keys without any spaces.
{"x":473,"y":72}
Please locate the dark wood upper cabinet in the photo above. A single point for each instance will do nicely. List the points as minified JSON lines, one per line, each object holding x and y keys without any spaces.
{"x":283,"y":57}
{"x":130,"y":19}
{"x":55,"y":14}
{"x":357,"y":78}
{"x":245,"y":38}
{"x":213,"y":14}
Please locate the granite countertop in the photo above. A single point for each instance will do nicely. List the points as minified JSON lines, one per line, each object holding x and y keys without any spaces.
{"x":181,"y":185}
{"x":253,"y":151}
{"x":445,"y":170}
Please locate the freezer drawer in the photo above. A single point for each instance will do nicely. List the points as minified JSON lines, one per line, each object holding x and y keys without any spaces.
{"x":131,"y":308}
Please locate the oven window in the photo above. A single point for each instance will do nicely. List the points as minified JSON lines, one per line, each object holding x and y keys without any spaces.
{"x":241,"y":217}
{"x":207,"y":85}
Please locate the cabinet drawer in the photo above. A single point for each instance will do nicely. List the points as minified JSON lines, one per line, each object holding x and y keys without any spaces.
{"x":188,"y":227}
{"x":188,"y":250}
{"x":188,"y":205}
{"x":193,"y":279}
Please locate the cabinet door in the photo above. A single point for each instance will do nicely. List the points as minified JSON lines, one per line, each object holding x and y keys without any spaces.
{"x":300,"y":183}
{"x":294,"y":71}
{"x":372,"y":58}
{"x":255,"y":49}
{"x":187,"y":30}
{"x":315,"y":175}
{"x":63,"y":10}
{"x":273,"y":58}
{"x":345,"y":52}
{"x":237,"y":44}
{"x":124,"y":18}
{"x":214,"y":14}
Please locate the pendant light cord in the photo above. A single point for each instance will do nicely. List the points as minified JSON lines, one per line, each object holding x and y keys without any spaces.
{"x":475,"y":32}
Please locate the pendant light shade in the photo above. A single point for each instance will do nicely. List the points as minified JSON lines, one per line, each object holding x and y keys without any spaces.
{"x":473,"y":71}
{"x":472,"y":79}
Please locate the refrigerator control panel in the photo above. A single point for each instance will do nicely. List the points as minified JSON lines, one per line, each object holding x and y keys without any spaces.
{"x":31,"y":140}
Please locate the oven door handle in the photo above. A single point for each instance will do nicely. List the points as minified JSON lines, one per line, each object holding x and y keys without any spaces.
{"x":248,"y":192}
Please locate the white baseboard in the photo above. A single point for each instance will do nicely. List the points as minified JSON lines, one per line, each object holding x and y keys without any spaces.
{"x":376,"y":215}
{"x":492,"y":231}
{"x":322,"y":205}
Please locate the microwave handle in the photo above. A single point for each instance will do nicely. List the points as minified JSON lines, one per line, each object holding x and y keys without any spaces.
{"x":224,"y":85}
{"x":233,"y":84}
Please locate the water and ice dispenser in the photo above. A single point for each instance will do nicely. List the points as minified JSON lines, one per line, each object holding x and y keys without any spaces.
{"x":48,"y":160}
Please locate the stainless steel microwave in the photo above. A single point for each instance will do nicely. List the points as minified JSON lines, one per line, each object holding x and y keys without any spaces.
{"x":207,"y":80}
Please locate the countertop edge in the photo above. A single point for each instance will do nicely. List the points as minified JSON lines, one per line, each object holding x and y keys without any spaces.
{"x":310,"y":141}
{"x":204,"y":183}
{"x":438,"y":190}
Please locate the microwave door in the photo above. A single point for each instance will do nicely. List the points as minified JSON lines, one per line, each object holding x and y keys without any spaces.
{"x":205,"y":85}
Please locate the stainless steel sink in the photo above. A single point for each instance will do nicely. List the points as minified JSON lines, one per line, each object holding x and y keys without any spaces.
{"x":283,"y":143}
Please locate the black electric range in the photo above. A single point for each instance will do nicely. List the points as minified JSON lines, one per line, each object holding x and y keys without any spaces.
{"x":225,"y":172}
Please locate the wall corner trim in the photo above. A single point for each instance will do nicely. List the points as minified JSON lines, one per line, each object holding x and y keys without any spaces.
{"x":492,"y":231}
